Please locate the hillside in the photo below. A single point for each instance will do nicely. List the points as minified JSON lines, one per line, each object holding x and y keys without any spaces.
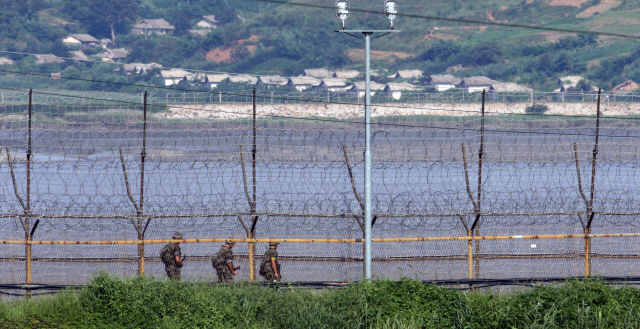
{"x":266,"y":38}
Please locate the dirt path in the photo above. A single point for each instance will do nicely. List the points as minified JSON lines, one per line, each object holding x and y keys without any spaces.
{"x":605,"y":5}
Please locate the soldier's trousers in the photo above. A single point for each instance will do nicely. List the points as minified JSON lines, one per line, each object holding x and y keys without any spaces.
{"x":224,"y":275}
{"x":173,"y":272}
{"x":270,"y":277}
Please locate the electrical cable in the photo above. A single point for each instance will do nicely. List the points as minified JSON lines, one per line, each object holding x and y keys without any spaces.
{"x":460,"y":20}
{"x":311,"y":100}
{"x":338,"y":120}
{"x":330,"y":120}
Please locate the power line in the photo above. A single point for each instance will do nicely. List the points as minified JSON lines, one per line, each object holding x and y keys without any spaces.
{"x":333,"y":120}
{"x":460,"y":20}
{"x":305,"y":100}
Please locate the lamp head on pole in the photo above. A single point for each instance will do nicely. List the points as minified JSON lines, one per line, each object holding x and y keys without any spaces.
{"x":342,"y":11}
{"x":391,"y":11}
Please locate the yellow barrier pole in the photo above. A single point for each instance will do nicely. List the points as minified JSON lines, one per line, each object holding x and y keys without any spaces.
{"x":415,"y":239}
{"x":470,"y":245}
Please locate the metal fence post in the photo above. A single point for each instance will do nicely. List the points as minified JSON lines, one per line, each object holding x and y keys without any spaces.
{"x":28,"y":246}
{"x":143,"y":155}
{"x":478,"y":204}
{"x":252,"y":246}
{"x":587,"y":241}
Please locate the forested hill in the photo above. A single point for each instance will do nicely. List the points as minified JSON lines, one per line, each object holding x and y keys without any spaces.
{"x":267,"y":38}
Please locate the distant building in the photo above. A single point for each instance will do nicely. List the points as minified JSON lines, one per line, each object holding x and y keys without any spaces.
{"x":5,"y":61}
{"x":199,"y":32}
{"x":139,"y":68}
{"x":271,"y":81}
{"x":213,"y":80}
{"x":157,"y":26}
{"x":407,"y":74}
{"x":625,"y":87}
{"x":105,"y":42}
{"x":78,"y":55}
{"x":318,"y":73}
{"x":174,"y":76}
{"x":303,"y":83}
{"x":48,"y":59}
{"x":571,"y":82}
{"x":208,"y":22}
{"x":394,"y":90}
{"x":81,"y":40}
{"x":358,"y":89}
{"x":351,"y":74}
{"x":503,"y":87}
{"x":444,"y":82}
{"x":197,"y":78}
{"x":477,"y":84}
{"x":331,"y":84}
{"x":117,"y":55}
{"x":243,"y":78}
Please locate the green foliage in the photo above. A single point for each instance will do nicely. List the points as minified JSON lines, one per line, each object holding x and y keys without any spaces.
{"x":102,"y":18}
{"x":582,"y":85}
{"x":293,"y":38}
{"x":536,"y":108}
{"x":109,"y":302}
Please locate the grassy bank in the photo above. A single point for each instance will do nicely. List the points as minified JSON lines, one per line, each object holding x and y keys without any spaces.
{"x":144,"y":303}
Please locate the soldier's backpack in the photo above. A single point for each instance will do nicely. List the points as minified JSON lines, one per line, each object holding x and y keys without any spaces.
{"x":166,"y":254}
{"x":263,"y":268}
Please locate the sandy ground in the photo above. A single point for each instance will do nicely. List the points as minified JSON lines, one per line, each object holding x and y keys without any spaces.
{"x":234,"y":111}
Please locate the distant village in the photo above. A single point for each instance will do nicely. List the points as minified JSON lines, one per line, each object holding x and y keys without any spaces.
{"x":317,"y":80}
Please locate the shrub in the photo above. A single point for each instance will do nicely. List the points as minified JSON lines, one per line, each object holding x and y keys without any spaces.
{"x":536,"y":109}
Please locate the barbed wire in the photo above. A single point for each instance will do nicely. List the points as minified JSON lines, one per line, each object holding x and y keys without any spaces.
{"x":318,"y":101}
{"x":198,"y":179}
{"x":351,"y":122}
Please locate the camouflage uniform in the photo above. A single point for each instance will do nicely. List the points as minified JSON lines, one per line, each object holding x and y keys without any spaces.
{"x":265,"y":268}
{"x":170,"y":265}
{"x":219,"y":261}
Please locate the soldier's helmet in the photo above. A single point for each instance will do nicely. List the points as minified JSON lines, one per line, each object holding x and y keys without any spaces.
{"x":177,"y":235}
{"x":273,"y":243}
{"x":229,"y":241}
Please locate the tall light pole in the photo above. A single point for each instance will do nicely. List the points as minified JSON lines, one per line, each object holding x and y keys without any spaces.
{"x":391,"y":12}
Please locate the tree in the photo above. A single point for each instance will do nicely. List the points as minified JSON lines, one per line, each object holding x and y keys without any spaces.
{"x":182,"y":23}
{"x":101,"y":17}
{"x":441,"y":51}
{"x":485,"y":53}
{"x":226,"y":15}
{"x":13,"y":13}
{"x":583,"y":85}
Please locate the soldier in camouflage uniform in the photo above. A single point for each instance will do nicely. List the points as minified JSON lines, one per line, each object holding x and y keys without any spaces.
{"x":270,"y":267}
{"x":223,"y":264}
{"x":171,"y":256}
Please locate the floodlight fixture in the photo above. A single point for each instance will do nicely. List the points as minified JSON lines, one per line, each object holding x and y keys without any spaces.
{"x":342,"y":11}
{"x":391,"y":10}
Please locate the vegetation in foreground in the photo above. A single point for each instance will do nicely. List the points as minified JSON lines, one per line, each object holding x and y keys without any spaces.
{"x":147,"y":303}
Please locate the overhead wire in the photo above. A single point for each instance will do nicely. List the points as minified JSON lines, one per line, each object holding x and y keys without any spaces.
{"x":309,"y":99}
{"x":334,"y":120}
{"x":460,"y":20}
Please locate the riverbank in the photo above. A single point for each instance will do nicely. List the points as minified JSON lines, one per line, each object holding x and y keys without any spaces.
{"x":342,"y":111}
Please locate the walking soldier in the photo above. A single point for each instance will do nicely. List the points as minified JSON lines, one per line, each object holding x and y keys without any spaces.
{"x":270,"y":267}
{"x":171,"y":256}
{"x":222,"y":262}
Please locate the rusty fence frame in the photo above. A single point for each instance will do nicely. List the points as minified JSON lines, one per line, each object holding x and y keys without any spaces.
{"x":141,"y":220}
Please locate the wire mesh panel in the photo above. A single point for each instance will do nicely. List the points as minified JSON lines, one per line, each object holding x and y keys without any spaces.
{"x":129,"y":167}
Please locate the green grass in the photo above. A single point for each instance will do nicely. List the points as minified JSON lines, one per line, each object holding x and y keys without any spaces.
{"x":147,"y":303}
